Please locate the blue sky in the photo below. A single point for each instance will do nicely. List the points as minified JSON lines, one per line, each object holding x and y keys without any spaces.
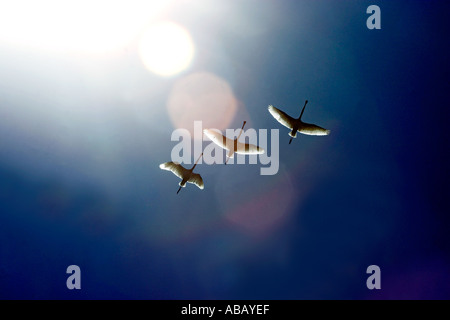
{"x":82,"y":137}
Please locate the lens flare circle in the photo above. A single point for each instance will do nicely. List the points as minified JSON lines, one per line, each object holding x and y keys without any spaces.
{"x":204,"y":97}
{"x":260,"y":208}
{"x":166,"y":48}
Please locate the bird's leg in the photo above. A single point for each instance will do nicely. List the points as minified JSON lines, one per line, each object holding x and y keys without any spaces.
{"x":229,"y":155}
{"x":293,"y":133}
{"x":179,"y":189}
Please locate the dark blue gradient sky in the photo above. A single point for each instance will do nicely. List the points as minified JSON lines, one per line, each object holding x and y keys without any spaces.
{"x":81,"y":139}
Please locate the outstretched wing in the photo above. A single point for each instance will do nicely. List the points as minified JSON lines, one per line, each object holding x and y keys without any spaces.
{"x":247,"y":148}
{"x":313,"y":130}
{"x":219,"y":139}
{"x":176,"y":168}
{"x":282,"y":117}
{"x":197,"y":180}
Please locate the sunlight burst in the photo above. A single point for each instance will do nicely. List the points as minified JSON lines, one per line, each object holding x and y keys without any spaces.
{"x":166,"y":48}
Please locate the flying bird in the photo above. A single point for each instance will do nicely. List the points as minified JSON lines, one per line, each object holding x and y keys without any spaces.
{"x":186,"y":175}
{"x":297,"y":124}
{"x":232,"y":146}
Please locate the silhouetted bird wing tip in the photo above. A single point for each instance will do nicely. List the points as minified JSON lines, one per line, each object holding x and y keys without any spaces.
{"x":197,"y":180}
{"x":282,"y":117}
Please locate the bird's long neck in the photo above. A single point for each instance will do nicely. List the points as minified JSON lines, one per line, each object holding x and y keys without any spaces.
{"x":241,"y":130}
{"x":299,"y":118}
{"x":196,"y":161}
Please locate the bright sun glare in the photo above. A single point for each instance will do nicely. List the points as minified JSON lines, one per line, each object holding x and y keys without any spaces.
{"x":98,"y":27}
{"x":86,"y":26}
{"x":166,"y":48}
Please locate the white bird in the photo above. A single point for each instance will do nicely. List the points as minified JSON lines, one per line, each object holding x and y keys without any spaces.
{"x":297,"y":124}
{"x":232,"y":146}
{"x":186,"y":175}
